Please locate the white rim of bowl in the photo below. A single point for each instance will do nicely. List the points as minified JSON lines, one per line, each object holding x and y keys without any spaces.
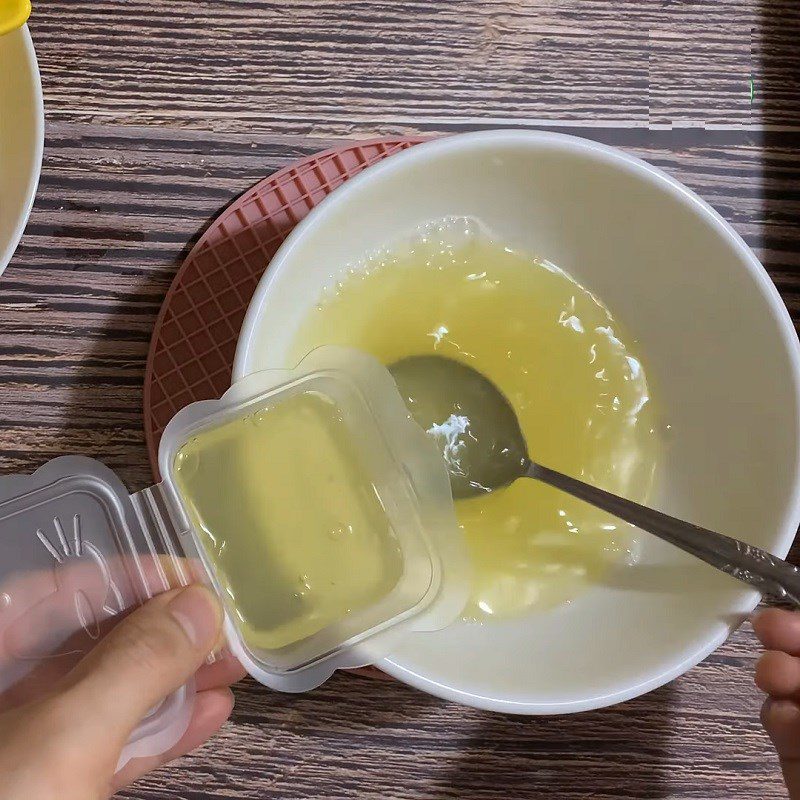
{"x":655,"y":176}
{"x":33,"y":179}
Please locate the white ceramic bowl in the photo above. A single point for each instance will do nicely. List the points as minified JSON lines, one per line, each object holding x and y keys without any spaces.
{"x":21,"y":136}
{"x":721,"y":352}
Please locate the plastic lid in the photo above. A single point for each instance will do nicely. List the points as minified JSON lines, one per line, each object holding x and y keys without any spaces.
{"x":73,"y":557}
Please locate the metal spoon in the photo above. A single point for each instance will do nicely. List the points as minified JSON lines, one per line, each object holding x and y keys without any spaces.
{"x":484,"y":449}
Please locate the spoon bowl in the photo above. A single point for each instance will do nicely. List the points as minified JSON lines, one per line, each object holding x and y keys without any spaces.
{"x":470,"y":419}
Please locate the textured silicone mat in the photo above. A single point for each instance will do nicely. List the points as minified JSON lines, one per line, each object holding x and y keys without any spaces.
{"x":194,"y":341}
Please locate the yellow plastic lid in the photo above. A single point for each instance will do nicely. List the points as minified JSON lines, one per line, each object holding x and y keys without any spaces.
{"x":13,"y":14}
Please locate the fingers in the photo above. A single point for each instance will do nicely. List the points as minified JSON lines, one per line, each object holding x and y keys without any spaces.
{"x":781,"y":720}
{"x":778,"y":674}
{"x":142,"y":660}
{"x":211,"y":709}
{"x":778,"y":630}
{"x":778,"y":669}
{"x":42,"y":603}
{"x":226,"y":670}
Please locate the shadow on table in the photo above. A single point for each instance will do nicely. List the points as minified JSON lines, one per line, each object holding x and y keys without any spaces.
{"x":371,"y":737}
{"x":612,"y":753}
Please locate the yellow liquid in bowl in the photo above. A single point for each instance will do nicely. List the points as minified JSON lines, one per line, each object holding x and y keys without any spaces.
{"x":572,"y":373}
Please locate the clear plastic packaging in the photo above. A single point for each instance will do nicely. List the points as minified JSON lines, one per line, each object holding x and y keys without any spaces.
{"x":77,"y":549}
{"x":73,"y":558}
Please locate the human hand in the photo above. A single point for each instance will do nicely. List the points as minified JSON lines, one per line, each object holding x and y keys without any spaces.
{"x":65,"y":744}
{"x":778,"y":674}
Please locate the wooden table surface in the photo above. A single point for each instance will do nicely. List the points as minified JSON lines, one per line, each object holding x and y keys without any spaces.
{"x":160,"y":113}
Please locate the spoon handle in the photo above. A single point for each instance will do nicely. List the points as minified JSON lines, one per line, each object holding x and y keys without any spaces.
{"x":765,"y":572}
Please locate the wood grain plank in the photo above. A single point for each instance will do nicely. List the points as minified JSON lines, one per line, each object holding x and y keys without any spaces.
{"x":116,"y":208}
{"x":358,"y":68}
{"x":700,"y":63}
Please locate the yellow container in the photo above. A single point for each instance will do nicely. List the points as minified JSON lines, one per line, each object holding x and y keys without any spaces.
{"x":13,"y":14}
{"x":21,"y":136}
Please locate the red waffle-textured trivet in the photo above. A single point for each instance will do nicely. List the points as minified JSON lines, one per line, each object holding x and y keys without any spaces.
{"x":194,"y":341}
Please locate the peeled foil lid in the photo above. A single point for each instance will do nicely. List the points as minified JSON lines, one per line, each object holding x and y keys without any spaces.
{"x":73,"y":560}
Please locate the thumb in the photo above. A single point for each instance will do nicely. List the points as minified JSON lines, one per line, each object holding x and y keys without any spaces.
{"x":147,"y":656}
{"x":781,"y":719}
